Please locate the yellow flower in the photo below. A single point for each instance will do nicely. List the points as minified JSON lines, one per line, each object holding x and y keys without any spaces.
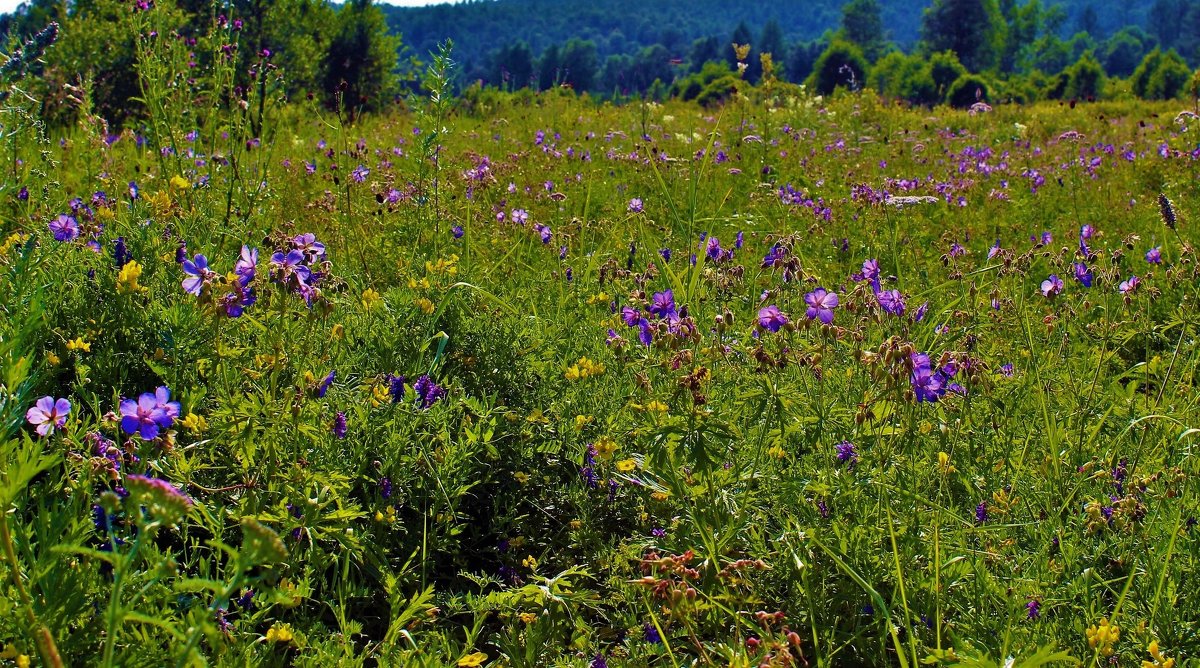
{"x":660,"y":496}
{"x":380,"y":395}
{"x":528,"y":617}
{"x":339,"y":332}
{"x":777,"y":452}
{"x":194,"y":423}
{"x":944,"y":465}
{"x":79,"y":344}
{"x":529,"y":562}
{"x":424,"y":304}
{"x":281,"y":633}
{"x":522,"y":477}
{"x":582,"y":421}
{"x":1158,"y":660}
{"x":180,"y":183}
{"x":52,"y":359}
{"x":473,"y":660}
{"x":1102,"y":638}
{"x":370,"y":298}
{"x":626,"y":465}
{"x":605,"y":447}
{"x":656,"y":406}
{"x":584,"y":368}
{"x":160,"y":204}
{"x":127,"y":278}
{"x":599,"y":298}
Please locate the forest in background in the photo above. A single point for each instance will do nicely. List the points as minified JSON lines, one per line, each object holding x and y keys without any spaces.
{"x":363,"y":56}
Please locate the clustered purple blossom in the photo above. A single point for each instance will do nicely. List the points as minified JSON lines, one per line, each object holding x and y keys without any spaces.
{"x":232,"y":296}
{"x":300,"y":266}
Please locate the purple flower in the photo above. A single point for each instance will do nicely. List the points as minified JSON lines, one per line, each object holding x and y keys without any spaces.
{"x":144,"y":417}
{"x":48,"y":414}
{"x":1086,"y":232}
{"x":246,"y":265}
{"x":121,"y":254}
{"x":339,"y":425}
{"x":325,"y":383}
{"x":1052,"y":286}
{"x":635,"y":205}
{"x":981,"y":514}
{"x":820,"y":305}
{"x":457,"y":231}
{"x":662,"y":304}
{"x":599,"y":662}
{"x":1083,"y":274}
{"x":359,"y":174}
{"x":994,"y":250}
{"x":1154,"y":255}
{"x":665,"y":253}
{"x":427,"y":391}
{"x":846,"y":453}
{"x":928,"y":385}
{"x":169,"y":409}
{"x":198,"y":273}
{"x":1033,"y":609}
{"x":396,"y":388}
{"x":891,"y":301}
{"x":64,"y":228}
{"x":919,"y":315}
{"x":772,"y":319}
{"x":313,"y":250}
{"x":1128,"y":286}
{"x":775,"y":256}
{"x":544,"y":232}
{"x":650,"y":633}
{"x":630,"y":316}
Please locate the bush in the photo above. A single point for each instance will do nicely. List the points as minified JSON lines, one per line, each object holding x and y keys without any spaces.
{"x":905,"y":77}
{"x":966,"y":91}
{"x":1160,"y":76}
{"x":1084,"y":79}
{"x":842,"y":64}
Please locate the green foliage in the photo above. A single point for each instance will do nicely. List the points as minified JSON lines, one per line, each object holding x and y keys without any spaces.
{"x":905,"y":77}
{"x":842,"y":64}
{"x":862,"y":24}
{"x":972,"y":29}
{"x":1160,"y":76}
{"x":361,"y":60}
{"x":967,"y":90}
{"x":1085,"y":79}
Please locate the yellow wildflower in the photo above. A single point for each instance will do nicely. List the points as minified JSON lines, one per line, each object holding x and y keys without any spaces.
{"x":944,"y":465}
{"x":1158,"y":660}
{"x":414,"y":283}
{"x":599,"y":298}
{"x":656,"y":406}
{"x":605,"y":447}
{"x":52,"y":359}
{"x":194,"y":423}
{"x":777,"y":452}
{"x":160,"y":204}
{"x":339,"y":332}
{"x":424,"y":304}
{"x":22,"y":661}
{"x":380,"y":395}
{"x":522,"y":477}
{"x":127,"y":278}
{"x":626,"y":465}
{"x":180,"y":183}
{"x":660,"y":496}
{"x":529,"y":562}
{"x":281,"y":633}
{"x":1102,"y":638}
{"x":473,"y":660}
{"x":370,"y":298}
{"x":79,"y":344}
{"x":528,"y":617}
{"x":584,"y":368}
{"x":582,"y":421}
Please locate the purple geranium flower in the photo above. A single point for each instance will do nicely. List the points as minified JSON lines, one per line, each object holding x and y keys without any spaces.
{"x":821,"y":304}
{"x":1083,"y":274}
{"x":1052,"y":286}
{"x":846,"y":453}
{"x":662,"y":304}
{"x":1154,"y":255}
{"x":246,"y":265}
{"x":64,"y":228}
{"x":771,"y":318}
{"x":48,"y":414}
{"x":141,"y":417}
{"x":1128,"y":286}
{"x":198,"y":272}
{"x":891,"y":301}
{"x":635,"y":205}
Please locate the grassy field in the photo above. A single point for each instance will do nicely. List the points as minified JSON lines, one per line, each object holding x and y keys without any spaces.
{"x":545,"y":382}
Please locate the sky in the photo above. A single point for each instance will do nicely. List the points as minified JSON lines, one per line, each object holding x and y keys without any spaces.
{"x":7,"y":6}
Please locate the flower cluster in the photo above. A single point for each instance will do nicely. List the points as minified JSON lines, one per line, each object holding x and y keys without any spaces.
{"x":149,"y":414}
{"x":232,"y":293}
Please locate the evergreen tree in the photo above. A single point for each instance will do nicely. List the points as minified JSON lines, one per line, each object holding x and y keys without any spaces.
{"x":512,"y":66}
{"x":704,"y":50}
{"x":970,"y":28}
{"x":771,"y":41}
{"x":578,"y":63}
{"x":361,"y":61}
{"x":549,"y":68}
{"x":842,"y":64}
{"x":862,"y":24}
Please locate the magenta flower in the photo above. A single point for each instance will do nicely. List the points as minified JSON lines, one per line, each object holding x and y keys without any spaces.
{"x":246,"y":265}
{"x":150,"y":413}
{"x":772,"y":319}
{"x":891,"y":301}
{"x":48,"y":414}
{"x":821,"y":303}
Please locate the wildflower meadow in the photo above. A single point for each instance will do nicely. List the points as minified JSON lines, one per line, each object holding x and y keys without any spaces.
{"x":528,"y":379}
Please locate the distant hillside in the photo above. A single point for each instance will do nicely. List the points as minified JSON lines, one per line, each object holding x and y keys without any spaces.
{"x":479,"y":27}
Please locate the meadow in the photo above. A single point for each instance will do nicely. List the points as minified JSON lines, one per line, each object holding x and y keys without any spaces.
{"x":534,"y":380}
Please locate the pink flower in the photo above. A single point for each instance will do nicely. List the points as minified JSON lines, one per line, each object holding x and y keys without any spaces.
{"x":49,"y":414}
